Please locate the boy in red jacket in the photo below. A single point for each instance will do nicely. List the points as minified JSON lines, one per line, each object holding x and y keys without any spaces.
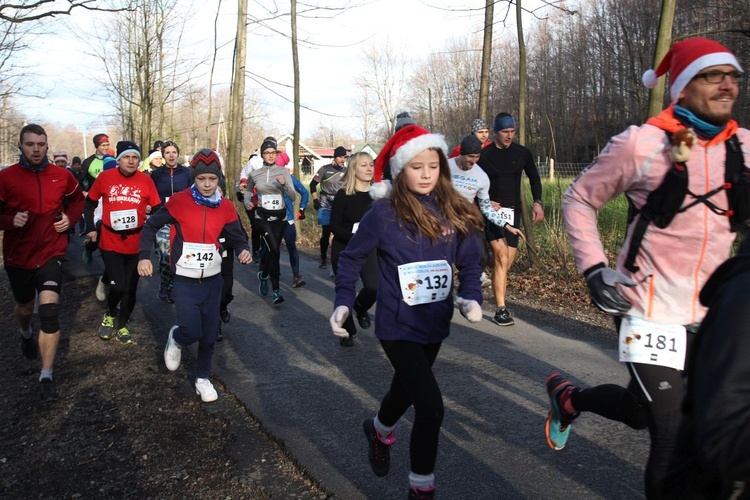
{"x":199,"y":214}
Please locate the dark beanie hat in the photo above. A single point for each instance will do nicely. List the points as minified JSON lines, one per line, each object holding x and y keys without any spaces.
{"x":205,"y":161}
{"x":267,"y":145}
{"x":470,"y":145}
{"x":75,"y":160}
{"x":124,"y":147}
{"x":339,"y":151}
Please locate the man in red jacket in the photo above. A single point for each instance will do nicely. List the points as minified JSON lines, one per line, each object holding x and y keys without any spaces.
{"x":33,"y":197}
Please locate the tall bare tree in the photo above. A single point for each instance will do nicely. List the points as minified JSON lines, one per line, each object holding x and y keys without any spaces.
{"x":484,"y":89}
{"x":237,"y":107}
{"x":663,"y":41}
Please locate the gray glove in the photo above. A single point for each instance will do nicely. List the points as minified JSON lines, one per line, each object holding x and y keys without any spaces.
{"x":602,"y":284}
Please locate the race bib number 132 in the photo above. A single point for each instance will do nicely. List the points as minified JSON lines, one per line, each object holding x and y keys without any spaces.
{"x":642,"y":341}
{"x":425,"y":282}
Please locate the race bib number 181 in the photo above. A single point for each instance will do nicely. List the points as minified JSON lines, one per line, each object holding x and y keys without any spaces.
{"x":642,"y":341}
{"x":425,"y":282}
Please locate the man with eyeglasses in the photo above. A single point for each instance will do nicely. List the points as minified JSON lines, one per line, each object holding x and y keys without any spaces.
{"x":653,"y":291}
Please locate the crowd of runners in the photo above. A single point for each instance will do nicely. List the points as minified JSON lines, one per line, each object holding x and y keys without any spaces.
{"x":406,"y":224}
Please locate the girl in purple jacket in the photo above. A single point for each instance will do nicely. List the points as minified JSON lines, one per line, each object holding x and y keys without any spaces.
{"x":420,"y":229}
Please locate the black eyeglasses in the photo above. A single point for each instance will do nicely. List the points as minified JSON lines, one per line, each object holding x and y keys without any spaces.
{"x":717,"y":76}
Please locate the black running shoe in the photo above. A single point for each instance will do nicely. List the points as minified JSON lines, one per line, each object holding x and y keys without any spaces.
{"x":48,"y":390}
{"x":502,"y":317}
{"x":29,"y":347}
{"x":363,"y":318}
{"x":347,"y":341}
{"x":380,"y":452}
{"x":224,"y":315}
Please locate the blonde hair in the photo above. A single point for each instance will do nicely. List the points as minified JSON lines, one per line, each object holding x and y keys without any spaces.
{"x":452,"y":209}
{"x":350,"y":177}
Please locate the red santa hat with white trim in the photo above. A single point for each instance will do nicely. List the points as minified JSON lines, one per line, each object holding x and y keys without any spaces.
{"x":686,"y":59}
{"x":400,"y":149}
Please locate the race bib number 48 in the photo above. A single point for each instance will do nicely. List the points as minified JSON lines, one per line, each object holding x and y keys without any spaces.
{"x":425,"y":282}
{"x":642,"y":341}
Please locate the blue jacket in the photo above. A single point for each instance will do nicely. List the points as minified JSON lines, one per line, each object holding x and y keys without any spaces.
{"x":396,"y":245}
{"x":171,"y":180}
{"x":300,"y":188}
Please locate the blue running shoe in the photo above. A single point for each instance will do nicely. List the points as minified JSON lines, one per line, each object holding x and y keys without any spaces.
{"x":263,"y":286}
{"x":557,"y":426}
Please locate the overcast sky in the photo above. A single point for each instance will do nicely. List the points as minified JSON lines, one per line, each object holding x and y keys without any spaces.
{"x":328,"y":72}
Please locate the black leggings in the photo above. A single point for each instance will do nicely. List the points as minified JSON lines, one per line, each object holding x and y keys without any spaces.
{"x":414,"y":384}
{"x":271,"y":233}
{"x":369,"y":275}
{"x":653,"y":398}
{"x":324,"y":241}
{"x":122,"y":273}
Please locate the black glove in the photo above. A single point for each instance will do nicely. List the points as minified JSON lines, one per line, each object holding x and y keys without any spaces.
{"x":316,"y":204}
{"x":301,"y":214}
{"x":602,"y":282}
{"x":240,"y":196}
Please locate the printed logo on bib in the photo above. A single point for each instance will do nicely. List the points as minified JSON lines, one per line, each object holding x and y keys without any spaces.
{"x":650,"y":343}
{"x":508,"y":215}
{"x":425,"y":282}
{"x":271,"y":201}
{"x":121,"y":220}
{"x":199,"y":256}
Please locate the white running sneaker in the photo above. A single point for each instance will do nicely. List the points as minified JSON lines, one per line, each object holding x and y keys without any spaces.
{"x":101,"y":291}
{"x":484,"y":280}
{"x":205,"y":389}
{"x":172,"y":352}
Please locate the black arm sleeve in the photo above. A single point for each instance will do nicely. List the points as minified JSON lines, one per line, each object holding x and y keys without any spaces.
{"x":88,"y":214}
{"x":533,"y":174}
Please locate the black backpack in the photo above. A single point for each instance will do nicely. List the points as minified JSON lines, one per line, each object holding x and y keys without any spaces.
{"x":666,"y":201}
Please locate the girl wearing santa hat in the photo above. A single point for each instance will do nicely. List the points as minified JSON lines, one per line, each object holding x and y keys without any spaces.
{"x":420,"y":228}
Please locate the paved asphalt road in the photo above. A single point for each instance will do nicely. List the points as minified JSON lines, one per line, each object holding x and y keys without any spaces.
{"x":312,"y":394}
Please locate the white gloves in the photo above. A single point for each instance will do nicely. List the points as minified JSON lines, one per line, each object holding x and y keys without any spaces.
{"x":337,"y":321}
{"x":470,"y":309}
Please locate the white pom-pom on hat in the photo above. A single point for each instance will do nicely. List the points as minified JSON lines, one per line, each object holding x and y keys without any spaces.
{"x":650,"y":79}
{"x":381,"y":190}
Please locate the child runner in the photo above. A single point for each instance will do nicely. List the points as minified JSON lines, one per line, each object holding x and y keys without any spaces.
{"x":350,"y":204}
{"x":198,"y":215}
{"x":420,"y":231}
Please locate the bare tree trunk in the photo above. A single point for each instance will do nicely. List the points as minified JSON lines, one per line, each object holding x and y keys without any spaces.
{"x":237,"y":110}
{"x":663,"y":41}
{"x":521,"y":127}
{"x":211,"y":77}
{"x":484,"y":86}
{"x":295,"y":63}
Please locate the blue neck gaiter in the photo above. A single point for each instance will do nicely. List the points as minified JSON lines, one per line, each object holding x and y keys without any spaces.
{"x":704,"y":129}
{"x":34,"y":168}
{"x":211,"y":202}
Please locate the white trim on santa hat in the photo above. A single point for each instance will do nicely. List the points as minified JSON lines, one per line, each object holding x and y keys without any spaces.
{"x":695,"y":67}
{"x":412,"y":148}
